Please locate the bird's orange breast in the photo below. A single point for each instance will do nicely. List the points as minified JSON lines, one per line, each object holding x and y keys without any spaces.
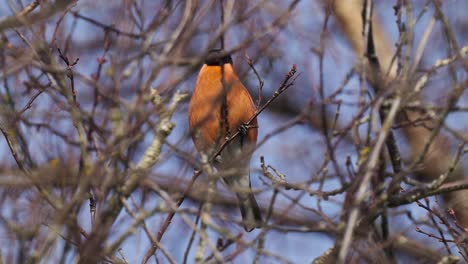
{"x":205,"y":107}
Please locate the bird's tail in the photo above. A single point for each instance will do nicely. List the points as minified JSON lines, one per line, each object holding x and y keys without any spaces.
{"x":250,"y":211}
{"x":238,"y":181}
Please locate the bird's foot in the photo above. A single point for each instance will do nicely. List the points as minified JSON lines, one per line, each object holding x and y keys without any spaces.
{"x":245,"y":127}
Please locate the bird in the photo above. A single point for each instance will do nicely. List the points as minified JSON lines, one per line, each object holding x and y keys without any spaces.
{"x":221,"y":105}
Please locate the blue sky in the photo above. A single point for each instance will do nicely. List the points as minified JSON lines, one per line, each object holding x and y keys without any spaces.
{"x":297,"y":152}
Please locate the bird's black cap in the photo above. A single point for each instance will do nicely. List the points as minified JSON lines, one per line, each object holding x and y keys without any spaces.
{"x":217,"y":57}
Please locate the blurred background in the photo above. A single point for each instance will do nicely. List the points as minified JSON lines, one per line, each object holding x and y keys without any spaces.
{"x":87,"y":87}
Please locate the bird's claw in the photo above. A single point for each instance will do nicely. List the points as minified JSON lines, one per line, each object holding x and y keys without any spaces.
{"x":243,"y":129}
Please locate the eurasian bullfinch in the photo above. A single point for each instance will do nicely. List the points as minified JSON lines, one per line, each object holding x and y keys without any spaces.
{"x":215,"y":114}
